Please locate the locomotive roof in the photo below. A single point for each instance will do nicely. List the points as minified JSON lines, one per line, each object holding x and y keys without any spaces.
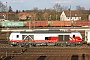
{"x":46,"y":31}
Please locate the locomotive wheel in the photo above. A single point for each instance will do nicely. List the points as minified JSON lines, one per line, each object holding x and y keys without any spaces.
{"x":21,"y":45}
{"x":73,"y":44}
{"x":63,"y":45}
{"x":57,"y":44}
{"x":11,"y":45}
{"x":34,"y":45}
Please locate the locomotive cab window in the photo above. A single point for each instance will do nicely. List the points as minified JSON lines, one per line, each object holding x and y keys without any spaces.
{"x":73,"y":36}
{"x":17,"y":36}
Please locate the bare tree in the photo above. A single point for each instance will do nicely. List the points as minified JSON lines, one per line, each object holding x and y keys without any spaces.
{"x":79,"y":8}
{"x":57,"y":7}
{"x":35,"y":9}
{"x":2,"y":7}
{"x":64,"y":8}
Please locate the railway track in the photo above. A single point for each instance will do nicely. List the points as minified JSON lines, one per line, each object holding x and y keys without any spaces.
{"x":45,"y":53}
{"x":45,"y":50}
{"x":49,"y":57}
{"x":42,"y":52}
{"x":40,"y":58}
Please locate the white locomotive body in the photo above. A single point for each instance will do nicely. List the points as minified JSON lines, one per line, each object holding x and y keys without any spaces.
{"x":55,"y":37}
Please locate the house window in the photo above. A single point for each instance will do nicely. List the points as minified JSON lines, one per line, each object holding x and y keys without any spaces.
{"x":68,"y":17}
{"x":71,"y":17}
{"x":75,"y":17}
{"x":75,"y":14}
{"x":17,"y":36}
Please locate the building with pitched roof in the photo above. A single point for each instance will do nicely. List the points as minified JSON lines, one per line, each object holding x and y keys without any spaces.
{"x":70,"y":15}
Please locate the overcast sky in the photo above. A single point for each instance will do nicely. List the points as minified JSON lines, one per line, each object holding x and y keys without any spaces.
{"x":41,"y":4}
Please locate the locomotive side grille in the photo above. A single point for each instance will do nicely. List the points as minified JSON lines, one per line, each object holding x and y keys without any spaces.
{"x":63,"y":37}
{"x":60,"y":37}
{"x":66,"y":37}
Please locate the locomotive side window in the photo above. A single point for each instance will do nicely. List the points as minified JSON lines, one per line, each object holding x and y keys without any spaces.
{"x":17,"y":36}
{"x":23,"y":36}
{"x":73,"y":36}
{"x":32,"y":37}
{"x":28,"y":37}
{"x":46,"y":38}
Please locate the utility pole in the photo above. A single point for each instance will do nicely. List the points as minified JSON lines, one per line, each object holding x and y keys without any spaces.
{"x":30,"y":23}
{"x":70,"y":12}
{"x":6,"y":11}
{"x":71,"y":16}
{"x":7,"y":19}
